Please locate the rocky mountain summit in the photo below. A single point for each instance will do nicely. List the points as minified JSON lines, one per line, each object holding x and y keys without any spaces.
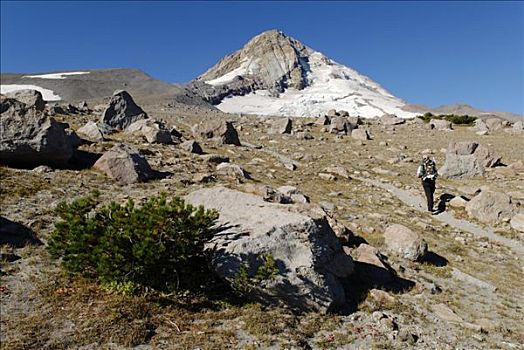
{"x":274,"y":74}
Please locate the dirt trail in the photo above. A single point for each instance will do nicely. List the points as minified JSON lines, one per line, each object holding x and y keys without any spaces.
{"x":418,"y":203}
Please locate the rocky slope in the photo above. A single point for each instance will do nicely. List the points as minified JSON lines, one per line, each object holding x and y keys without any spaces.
{"x":98,"y":84}
{"x":418,"y":281}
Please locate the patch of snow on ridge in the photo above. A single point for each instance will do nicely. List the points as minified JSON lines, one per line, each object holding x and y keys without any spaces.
{"x":330,"y":86}
{"x":47,"y":95}
{"x":54,"y":75}
{"x":247,"y":66}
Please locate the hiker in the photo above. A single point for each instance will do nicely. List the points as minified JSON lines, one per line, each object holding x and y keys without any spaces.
{"x":427,"y":171}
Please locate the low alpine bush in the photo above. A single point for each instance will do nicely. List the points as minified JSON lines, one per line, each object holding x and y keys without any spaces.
{"x":158,"y":245}
{"x":455,"y":119}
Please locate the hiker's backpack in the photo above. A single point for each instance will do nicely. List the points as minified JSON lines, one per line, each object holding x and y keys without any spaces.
{"x":430,"y":168}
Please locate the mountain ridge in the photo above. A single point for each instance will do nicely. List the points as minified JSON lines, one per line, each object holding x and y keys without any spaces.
{"x":273,"y":74}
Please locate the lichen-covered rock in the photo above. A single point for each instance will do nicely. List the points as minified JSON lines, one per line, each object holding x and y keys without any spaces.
{"x":311,"y":263}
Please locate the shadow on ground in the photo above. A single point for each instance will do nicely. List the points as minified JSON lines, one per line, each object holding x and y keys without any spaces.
{"x":16,"y":235}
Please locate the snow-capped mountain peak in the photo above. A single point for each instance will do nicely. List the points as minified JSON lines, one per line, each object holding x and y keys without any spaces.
{"x":274,"y":74}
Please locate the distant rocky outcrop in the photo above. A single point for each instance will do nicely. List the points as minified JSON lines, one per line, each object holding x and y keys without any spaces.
{"x":280,"y":57}
{"x":95,"y":84}
{"x":122,"y":111}
{"x":308,"y":255}
{"x":30,"y":138}
{"x":468,"y":159}
{"x":124,"y":164}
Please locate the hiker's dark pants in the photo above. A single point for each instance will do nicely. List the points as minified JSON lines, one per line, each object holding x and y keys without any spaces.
{"x":429,"y":189}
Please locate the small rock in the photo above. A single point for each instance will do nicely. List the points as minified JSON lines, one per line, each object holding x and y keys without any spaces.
{"x":215,"y":158}
{"x":232,"y":171}
{"x":43,"y":169}
{"x":458,"y":202}
{"x":280,"y":126}
{"x":91,"y":131}
{"x":192,"y":147}
{"x":360,"y":134}
{"x":293,"y":193}
{"x":327,"y":176}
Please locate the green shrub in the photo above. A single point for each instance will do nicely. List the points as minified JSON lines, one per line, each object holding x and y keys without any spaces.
{"x":455,"y":119}
{"x":267,"y":270}
{"x":158,"y":246}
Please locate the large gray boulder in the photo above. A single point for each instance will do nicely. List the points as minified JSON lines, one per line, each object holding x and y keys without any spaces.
{"x":28,"y":138}
{"x":218,"y":130}
{"x":122,"y":111}
{"x":404,"y":242}
{"x":468,"y":159}
{"x":311,"y":263}
{"x":124,"y":164}
{"x":31,"y":98}
{"x":491,"y":207}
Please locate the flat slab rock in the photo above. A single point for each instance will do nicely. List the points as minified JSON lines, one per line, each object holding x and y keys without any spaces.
{"x":309,"y":257}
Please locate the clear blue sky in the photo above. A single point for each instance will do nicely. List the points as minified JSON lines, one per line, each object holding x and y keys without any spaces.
{"x":432,"y":53}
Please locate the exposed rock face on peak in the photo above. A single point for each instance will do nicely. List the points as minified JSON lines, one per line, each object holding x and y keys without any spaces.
{"x":271,"y":61}
{"x":274,"y":74}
